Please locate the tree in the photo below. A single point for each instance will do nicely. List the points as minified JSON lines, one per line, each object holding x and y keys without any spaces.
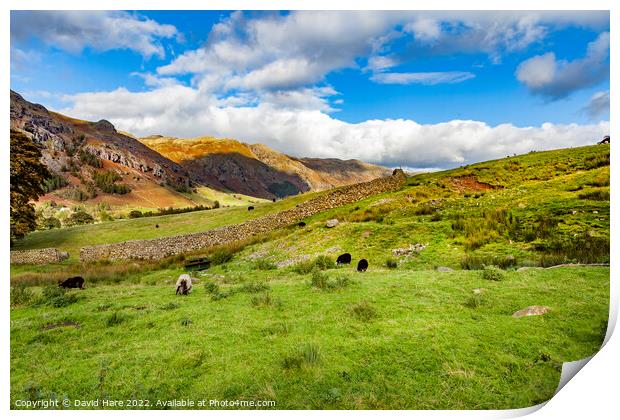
{"x":28,"y":175}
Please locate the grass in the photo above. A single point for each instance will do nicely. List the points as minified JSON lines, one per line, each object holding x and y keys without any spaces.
{"x":425,"y":342}
{"x":292,"y":327}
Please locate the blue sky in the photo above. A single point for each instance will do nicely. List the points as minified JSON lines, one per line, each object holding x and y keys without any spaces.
{"x":418,"y":89}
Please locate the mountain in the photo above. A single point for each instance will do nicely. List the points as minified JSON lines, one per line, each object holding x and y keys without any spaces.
{"x":95,"y":164}
{"x":257,"y":170}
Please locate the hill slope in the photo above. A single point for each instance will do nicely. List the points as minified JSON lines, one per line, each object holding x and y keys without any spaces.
{"x":257,"y":170}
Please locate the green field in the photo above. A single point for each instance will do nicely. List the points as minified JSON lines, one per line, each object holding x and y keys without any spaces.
{"x":266,"y":323}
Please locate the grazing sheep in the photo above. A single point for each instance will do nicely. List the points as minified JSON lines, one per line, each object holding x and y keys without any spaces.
{"x":301,"y":224}
{"x":250,"y":207}
{"x":184,"y":284}
{"x":73,"y":283}
{"x":344,"y":259}
{"x":362,"y":265}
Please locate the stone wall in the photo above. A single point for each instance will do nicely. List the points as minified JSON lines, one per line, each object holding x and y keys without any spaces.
{"x":38,"y":256}
{"x":173,"y":245}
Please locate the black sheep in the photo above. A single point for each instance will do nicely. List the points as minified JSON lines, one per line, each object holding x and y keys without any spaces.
{"x":362,"y":265}
{"x":73,"y":283}
{"x":250,"y":207}
{"x":344,"y":259}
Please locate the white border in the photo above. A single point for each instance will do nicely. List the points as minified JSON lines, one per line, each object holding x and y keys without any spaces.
{"x":593,"y":392}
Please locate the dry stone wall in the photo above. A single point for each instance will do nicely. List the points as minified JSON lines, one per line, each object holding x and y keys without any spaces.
{"x":173,"y":245}
{"x":38,"y":256}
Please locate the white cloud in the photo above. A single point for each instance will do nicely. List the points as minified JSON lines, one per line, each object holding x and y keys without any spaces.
{"x":101,"y":30}
{"x":598,"y":106}
{"x":423,"y":78}
{"x":555,"y":79}
{"x":187,"y":112}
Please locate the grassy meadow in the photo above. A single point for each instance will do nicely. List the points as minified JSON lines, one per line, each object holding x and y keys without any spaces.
{"x":274,"y":319}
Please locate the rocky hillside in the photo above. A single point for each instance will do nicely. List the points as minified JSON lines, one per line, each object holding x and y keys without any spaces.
{"x":257,"y":170}
{"x":94,"y":163}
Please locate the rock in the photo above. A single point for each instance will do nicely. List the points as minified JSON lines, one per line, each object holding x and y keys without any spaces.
{"x":531,"y":311}
{"x":408,"y":252}
{"x":574,"y":211}
{"x":332,"y":223}
{"x":595,"y":212}
{"x":444,"y":269}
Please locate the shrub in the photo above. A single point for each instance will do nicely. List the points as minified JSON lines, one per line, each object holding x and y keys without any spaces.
{"x":391,"y":263}
{"x":170,"y":305}
{"x":47,"y":223}
{"x":21,"y":295}
{"x":219,"y":295}
{"x":78,"y":218}
{"x":264,"y":300}
{"x":475,"y":301}
{"x":114,"y":319}
{"x":211,"y":288}
{"x":88,"y":158}
{"x":364,"y":311}
{"x":55,"y":182}
{"x":56,"y":297}
{"x":323,"y":262}
{"x":221,"y":256}
{"x":186,"y":322}
{"x":106,"y":182}
{"x":135,"y":214}
{"x":264,"y":264}
{"x":493,"y":273}
{"x":303,"y":267}
{"x":319,"y":280}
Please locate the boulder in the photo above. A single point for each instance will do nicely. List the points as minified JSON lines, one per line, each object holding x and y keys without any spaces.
{"x":332,"y":223}
{"x":444,"y":269}
{"x":531,"y":311}
{"x":409,"y":251}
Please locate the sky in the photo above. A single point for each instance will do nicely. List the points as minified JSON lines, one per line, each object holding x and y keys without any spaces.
{"x":416,"y":89}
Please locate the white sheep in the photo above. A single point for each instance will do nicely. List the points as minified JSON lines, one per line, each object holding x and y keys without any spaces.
{"x":184,"y":284}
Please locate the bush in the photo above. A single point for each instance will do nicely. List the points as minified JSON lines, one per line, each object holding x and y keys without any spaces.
{"x":56,"y":297}
{"x":319,"y":280}
{"x":54,"y":183}
{"x":211,"y":288}
{"x":79,"y":217}
{"x":106,"y":182}
{"x":303,"y":267}
{"x":170,"y":305}
{"x":475,"y":301}
{"x":135,"y":214}
{"x":47,"y":223}
{"x":88,"y":158}
{"x":493,"y":273}
{"x":364,"y":311}
{"x":323,"y":262}
{"x":21,"y":295}
{"x":391,"y":263}
{"x":264,"y":300}
{"x":221,"y":256}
